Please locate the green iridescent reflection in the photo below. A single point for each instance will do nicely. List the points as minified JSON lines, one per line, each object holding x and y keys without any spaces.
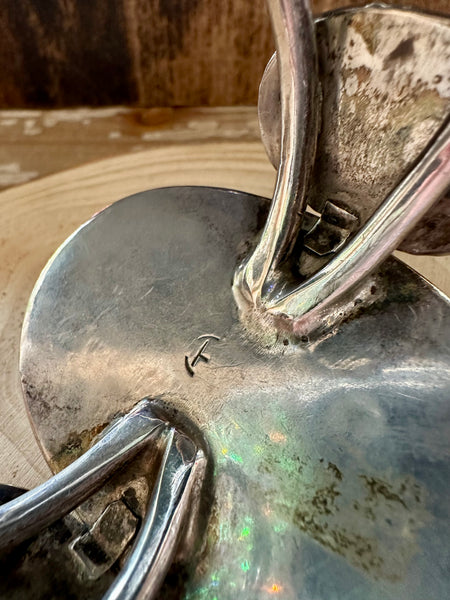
{"x":266,"y":466}
{"x":245,"y":566}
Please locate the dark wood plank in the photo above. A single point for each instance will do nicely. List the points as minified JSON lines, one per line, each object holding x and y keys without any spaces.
{"x":57,"y":53}
{"x":63,"y":53}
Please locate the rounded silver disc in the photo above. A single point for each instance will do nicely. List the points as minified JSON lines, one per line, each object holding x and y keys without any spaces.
{"x":384,"y":75}
{"x":331,"y":459}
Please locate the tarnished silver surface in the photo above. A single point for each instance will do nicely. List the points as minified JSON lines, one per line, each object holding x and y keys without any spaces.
{"x":181,"y":471}
{"x":314,"y":288}
{"x":327,"y":298}
{"x":432,"y":234}
{"x":294,"y":37}
{"x":158,"y":541}
{"x":25,"y":516}
{"x":385,"y":77}
{"x":330,"y":459}
{"x":330,"y":454}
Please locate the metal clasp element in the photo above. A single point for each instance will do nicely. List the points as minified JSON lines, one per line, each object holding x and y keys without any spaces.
{"x":264,"y":283}
{"x":182,"y":465}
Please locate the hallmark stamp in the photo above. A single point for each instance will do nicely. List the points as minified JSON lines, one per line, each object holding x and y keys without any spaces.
{"x":191,"y":363}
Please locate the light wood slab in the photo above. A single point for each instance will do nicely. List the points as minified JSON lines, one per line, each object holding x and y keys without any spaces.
{"x":36,"y":143}
{"x":38,"y":216}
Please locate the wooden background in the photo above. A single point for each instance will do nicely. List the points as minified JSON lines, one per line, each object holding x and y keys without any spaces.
{"x":60,"y":53}
{"x":57,"y":54}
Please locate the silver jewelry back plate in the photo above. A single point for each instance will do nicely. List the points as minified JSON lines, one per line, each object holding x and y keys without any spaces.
{"x":330,"y":457}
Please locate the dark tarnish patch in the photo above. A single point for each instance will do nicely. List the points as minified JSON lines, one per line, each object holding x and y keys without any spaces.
{"x":324,"y":500}
{"x":377,"y":488}
{"x":367,"y":29}
{"x":76,"y":445}
{"x":370,"y":520}
{"x":393,"y":285}
{"x":368,"y":531}
{"x":403,"y":50}
{"x":434,"y":229}
{"x":359,"y":550}
{"x":337,"y":473}
{"x":39,"y":402}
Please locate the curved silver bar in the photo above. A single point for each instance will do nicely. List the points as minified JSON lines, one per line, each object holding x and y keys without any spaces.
{"x":28,"y":514}
{"x":296,"y":48}
{"x":153,"y":552}
{"x":314,"y":300}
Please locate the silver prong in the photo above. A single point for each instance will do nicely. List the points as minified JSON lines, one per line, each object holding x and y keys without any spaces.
{"x":315,"y":300}
{"x":156,"y":545}
{"x":293,"y":30}
{"x":25,"y":516}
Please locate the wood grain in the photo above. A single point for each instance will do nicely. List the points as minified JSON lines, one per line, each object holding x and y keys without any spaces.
{"x":141,"y":52}
{"x":36,"y":143}
{"x":61,"y":53}
{"x":38,"y":216}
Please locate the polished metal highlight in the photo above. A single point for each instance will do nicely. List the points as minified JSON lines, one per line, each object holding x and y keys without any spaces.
{"x":294,"y":36}
{"x":385,"y":79}
{"x":319,"y":303}
{"x":308,"y":294}
{"x":182,"y":467}
{"x":330,"y":458}
{"x":322,"y":408}
{"x":25,"y":516}
{"x":146,"y":567}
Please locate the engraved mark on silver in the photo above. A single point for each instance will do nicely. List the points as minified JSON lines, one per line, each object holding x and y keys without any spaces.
{"x":200,"y":354}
